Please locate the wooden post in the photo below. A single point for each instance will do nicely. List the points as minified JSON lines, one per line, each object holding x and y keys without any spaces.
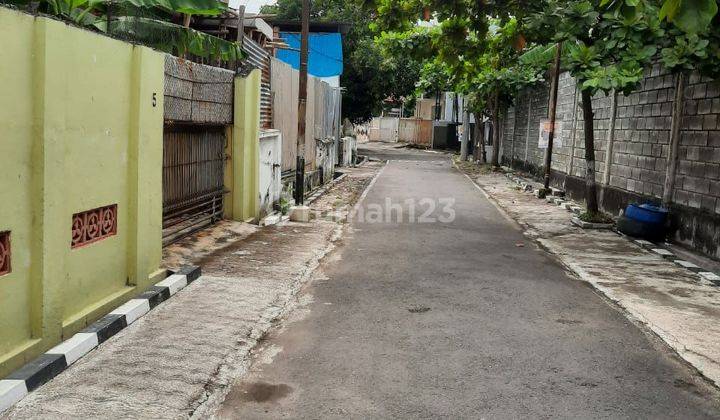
{"x":527,"y":129}
{"x":512,"y":139}
{"x":302,"y":106}
{"x":675,"y":126}
{"x":574,"y":131}
{"x":552,"y":111}
{"x":466,"y":133}
{"x":496,"y":129}
{"x":610,"y":140}
{"x":241,"y":25}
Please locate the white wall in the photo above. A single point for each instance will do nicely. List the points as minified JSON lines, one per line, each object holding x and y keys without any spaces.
{"x":270,"y":184}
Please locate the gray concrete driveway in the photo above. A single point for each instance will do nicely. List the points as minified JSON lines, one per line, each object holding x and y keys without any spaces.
{"x":462,"y":319}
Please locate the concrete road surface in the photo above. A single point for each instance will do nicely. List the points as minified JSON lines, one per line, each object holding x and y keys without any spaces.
{"x":460,"y":318}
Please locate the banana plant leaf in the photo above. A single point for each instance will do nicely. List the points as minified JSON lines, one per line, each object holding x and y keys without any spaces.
{"x":542,"y":55}
{"x":190,"y":7}
{"x":172,"y":38}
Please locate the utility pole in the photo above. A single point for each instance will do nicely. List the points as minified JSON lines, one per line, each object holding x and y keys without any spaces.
{"x":302,"y":106}
{"x":466,"y":132}
{"x":552,"y":112}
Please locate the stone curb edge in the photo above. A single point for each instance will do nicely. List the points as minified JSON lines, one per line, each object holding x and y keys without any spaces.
{"x":18,"y":384}
{"x":322,"y":190}
{"x":709,"y":277}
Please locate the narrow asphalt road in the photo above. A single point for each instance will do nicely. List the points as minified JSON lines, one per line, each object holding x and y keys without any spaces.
{"x":458,"y":319}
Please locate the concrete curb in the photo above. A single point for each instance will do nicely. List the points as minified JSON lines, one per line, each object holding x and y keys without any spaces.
{"x":704,"y":274}
{"x":50,"y":364}
{"x":323,"y":189}
{"x":557,"y":198}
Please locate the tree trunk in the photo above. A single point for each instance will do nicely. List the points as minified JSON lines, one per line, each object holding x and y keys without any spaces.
{"x":590,"y":185}
{"x":496,"y":130}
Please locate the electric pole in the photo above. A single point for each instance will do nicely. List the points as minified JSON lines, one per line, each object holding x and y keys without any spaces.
{"x":302,"y":106}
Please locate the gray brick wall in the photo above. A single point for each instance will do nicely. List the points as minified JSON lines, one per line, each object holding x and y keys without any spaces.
{"x":520,"y":127}
{"x":640,"y":146}
{"x":197,"y":93}
{"x":698,"y":179}
{"x":641,"y":139}
{"x":642,"y":135}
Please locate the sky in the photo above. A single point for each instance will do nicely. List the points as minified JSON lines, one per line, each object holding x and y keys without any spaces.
{"x":251,"y":6}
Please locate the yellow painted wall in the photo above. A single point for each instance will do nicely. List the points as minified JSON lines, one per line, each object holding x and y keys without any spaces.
{"x":242,"y":175}
{"x":78,"y":130}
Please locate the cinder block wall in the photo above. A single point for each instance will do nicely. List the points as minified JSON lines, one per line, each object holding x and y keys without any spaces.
{"x":640,"y":149}
{"x":197,"y":93}
{"x":80,"y":129}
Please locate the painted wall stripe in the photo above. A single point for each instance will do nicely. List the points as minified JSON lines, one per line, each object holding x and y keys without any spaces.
{"x":133,"y":309}
{"x":47,"y":366}
{"x":11,"y":391}
{"x":174,"y":283}
{"x":709,"y":276}
{"x":40,"y":370}
{"x":155,"y":295}
{"x":192,"y":272}
{"x":687,"y":264}
{"x":107,"y":326}
{"x":76,"y":347}
{"x":662,"y":252}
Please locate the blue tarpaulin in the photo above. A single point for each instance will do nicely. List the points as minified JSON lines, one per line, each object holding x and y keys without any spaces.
{"x":324,"y":56}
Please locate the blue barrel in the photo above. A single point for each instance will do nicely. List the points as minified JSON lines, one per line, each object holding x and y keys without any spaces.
{"x":646,"y":213}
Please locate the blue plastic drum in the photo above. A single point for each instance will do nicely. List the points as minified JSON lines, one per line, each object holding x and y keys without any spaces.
{"x":646,"y":213}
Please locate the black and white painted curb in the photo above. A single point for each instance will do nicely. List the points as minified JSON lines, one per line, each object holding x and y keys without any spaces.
{"x":706,"y":276}
{"x":39,"y":371}
{"x":557,"y":197}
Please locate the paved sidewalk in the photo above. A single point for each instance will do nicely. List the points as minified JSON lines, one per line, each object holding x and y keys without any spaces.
{"x":179,"y":359}
{"x":673,"y":302}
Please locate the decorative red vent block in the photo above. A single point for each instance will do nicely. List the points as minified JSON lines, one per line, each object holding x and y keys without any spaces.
{"x":93,"y":225}
{"x":5,"y":267}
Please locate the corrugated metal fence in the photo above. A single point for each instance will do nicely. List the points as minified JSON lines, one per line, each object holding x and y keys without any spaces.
{"x":323,"y":116}
{"x":260,"y":58}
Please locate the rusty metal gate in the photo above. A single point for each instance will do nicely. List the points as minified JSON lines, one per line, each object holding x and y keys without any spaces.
{"x":193,"y":179}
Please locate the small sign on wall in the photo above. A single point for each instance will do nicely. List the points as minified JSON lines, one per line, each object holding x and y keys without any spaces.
{"x":544,"y":131}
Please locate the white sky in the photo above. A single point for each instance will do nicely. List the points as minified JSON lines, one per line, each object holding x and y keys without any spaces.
{"x":251,"y":6}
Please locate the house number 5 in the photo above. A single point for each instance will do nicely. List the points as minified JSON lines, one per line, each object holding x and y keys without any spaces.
{"x":154,"y":101}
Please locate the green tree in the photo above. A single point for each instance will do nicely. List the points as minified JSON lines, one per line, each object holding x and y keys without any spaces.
{"x":476,"y":46}
{"x":606,"y":46}
{"x":692,"y":42}
{"x":493,"y":79}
